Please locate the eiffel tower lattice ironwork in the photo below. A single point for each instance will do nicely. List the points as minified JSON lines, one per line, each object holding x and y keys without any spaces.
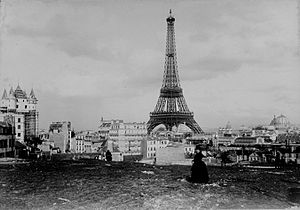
{"x":171,"y":108}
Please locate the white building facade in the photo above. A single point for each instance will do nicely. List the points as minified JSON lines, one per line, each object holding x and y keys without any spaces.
{"x":126,"y":137}
{"x":152,"y":144}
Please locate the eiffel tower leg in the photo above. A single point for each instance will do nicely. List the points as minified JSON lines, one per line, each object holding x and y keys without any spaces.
{"x":152,"y":123}
{"x":193,"y":125}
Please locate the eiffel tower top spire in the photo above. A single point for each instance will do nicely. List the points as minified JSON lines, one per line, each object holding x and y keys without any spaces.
{"x":171,"y":77}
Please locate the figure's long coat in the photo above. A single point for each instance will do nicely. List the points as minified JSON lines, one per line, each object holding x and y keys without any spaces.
{"x":199,"y":170}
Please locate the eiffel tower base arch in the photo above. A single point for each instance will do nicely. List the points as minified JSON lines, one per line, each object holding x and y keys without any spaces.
{"x":169,"y":120}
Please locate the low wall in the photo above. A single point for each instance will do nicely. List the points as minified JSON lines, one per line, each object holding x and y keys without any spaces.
{"x":170,"y":154}
{"x":73,"y":156}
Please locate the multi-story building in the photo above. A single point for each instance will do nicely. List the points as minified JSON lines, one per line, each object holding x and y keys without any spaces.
{"x":87,"y":142}
{"x":249,"y":141}
{"x":22,"y":110}
{"x":79,"y":146}
{"x":60,"y":134}
{"x":7,"y":140}
{"x":125,"y":136}
{"x":225,"y":136}
{"x":150,"y":146}
{"x":104,"y":128}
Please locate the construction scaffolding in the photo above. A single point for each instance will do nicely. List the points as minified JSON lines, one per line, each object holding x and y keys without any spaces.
{"x":31,"y":124}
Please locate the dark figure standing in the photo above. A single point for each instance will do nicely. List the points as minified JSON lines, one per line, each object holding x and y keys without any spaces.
{"x":277,"y":160}
{"x":199,"y":172}
{"x":282,"y":162}
{"x":108,"y":156}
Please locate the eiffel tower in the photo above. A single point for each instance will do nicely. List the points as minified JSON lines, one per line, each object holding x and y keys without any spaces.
{"x":171,"y":108}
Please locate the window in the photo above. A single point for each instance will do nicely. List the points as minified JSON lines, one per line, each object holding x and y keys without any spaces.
{"x":19,"y":119}
{"x":3,"y":144}
{"x":19,"y":134}
{"x":17,"y":106}
{"x":19,"y":126}
{"x":11,"y":143}
{"x":25,"y":106}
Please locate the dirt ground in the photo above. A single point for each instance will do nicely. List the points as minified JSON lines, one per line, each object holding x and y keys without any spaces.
{"x":94,"y":184}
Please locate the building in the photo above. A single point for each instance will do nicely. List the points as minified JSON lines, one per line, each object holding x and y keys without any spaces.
{"x":150,"y":145}
{"x":189,"y":150}
{"x":225,"y":136}
{"x":249,"y":141}
{"x":280,"y":123}
{"x":44,"y":135}
{"x":60,"y":135}
{"x":7,"y":140}
{"x":104,"y":128}
{"x":79,"y":146}
{"x":125,"y":137}
{"x":87,"y":142}
{"x":198,"y":139}
{"x":22,"y":110}
{"x":257,"y":156}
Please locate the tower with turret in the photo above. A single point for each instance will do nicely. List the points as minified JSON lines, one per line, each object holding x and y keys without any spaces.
{"x":21,"y":110}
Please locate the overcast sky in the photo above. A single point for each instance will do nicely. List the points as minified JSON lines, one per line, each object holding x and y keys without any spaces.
{"x":238,"y":61}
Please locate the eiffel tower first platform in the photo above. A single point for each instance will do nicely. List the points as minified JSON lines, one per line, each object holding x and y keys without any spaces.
{"x":171,"y":108}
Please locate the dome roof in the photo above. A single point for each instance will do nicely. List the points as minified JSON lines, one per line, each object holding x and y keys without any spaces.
{"x":228,"y":125}
{"x":280,"y":122}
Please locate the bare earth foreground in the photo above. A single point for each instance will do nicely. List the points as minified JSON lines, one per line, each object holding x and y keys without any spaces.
{"x":95,"y":184}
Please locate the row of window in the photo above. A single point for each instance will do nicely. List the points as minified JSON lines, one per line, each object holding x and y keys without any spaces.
{"x":151,"y":155}
{"x":5,"y":130}
{"x":17,"y":106}
{"x":3,"y":143}
{"x":161,"y":142}
{"x":135,"y":127}
{"x":79,"y":148}
{"x":151,"y":149}
{"x":20,"y":100}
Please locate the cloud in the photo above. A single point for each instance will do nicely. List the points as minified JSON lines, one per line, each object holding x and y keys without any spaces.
{"x":69,"y":37}
{"x":210,"y":67}
{"x":236,"y":60}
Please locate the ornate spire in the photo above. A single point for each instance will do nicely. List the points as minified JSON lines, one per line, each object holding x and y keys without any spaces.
{"x":18,"y":87}
{"x":4,"y":96}
{"x":19,"y":93}
{"x":32,"y":95}
{"x":11,"y":93}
